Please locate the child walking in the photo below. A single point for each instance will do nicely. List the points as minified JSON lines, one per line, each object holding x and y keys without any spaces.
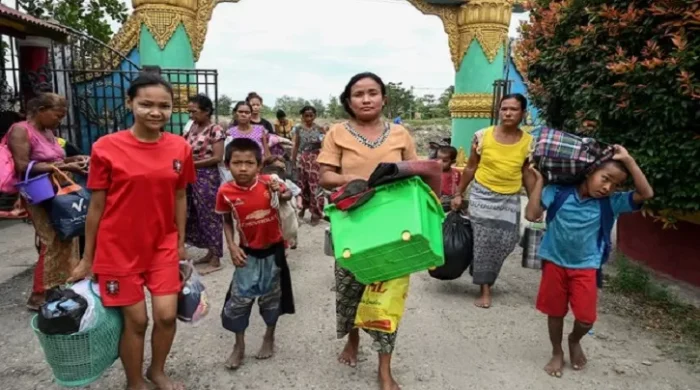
{"x":261,"y":267}
{"x":576,"y":244}
{"x":447,"y":155}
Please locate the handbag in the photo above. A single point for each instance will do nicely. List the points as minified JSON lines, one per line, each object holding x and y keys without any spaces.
{"x":68,"y":209}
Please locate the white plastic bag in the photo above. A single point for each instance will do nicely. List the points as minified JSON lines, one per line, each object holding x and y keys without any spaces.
{"x":83,"y":289}
{"x":288,"y":217}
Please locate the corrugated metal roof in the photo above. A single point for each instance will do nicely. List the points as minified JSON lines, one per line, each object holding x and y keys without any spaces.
{"x":23,"y":18}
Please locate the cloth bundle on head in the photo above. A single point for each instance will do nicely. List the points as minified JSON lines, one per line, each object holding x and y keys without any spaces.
{"x":357,"y":192}
{"x":565,"y":158}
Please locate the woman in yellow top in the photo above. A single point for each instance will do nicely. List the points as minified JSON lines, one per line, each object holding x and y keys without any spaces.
{"x":496,"y":163}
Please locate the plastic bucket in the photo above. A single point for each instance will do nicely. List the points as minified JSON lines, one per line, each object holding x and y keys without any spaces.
{"x":36,"y":189}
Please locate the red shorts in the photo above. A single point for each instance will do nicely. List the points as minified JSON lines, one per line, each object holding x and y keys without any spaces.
{"x":561,"y":287}
{"x":128,"y":290}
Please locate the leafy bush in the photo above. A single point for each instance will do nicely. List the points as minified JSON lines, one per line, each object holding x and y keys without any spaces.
{"x":624,"y":71}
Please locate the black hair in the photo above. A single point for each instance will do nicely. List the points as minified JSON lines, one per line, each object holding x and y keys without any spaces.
{"x":242,"y":145}
{"x":241,"y":103}
{"x":148,"y":79}
{"x":345,"y":96}
{"x":203,"y":102}
{"x":44,"y":101}
{"x":274,"y":169}
{"x":252,"y":96}
{"x":448,"y":150}
{"x":307,"y":108}
{"x":617,"y":164}
{"x":517,"y":96}
{"x":281,"y":114}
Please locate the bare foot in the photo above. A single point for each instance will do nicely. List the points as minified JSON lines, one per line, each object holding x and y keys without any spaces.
{"x":388,"y":383}
{"x":267,"y":348}
{"x":555,"y":365}
{"x":483,"y":302}
{"x":142,"y":386}
{"x":349,"y":354}
{"x":236,"y":359}
{"x":578,"y":358}
{"x":163,"y":382}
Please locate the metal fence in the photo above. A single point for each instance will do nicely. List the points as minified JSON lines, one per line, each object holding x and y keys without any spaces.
{"x":94,"y":79}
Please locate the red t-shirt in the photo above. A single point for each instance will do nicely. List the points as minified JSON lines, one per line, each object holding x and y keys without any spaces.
{"x":450,"y":182}
{"x":141,"y":179}
{"x":257,"y":221}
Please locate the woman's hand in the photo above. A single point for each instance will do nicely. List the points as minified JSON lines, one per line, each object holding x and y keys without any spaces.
{"x":237,"y":256}
{"x":80,"y":272}
{"x":77,"y":159}
{"x":456,"y":203}
{"x":75,"y":167}
{"x":274,"y":186}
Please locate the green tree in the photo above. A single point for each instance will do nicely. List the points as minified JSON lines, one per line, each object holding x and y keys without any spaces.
{"x":90,"y":17}
{"x":624,"y":71}
{"x":335,"y":109}
{"x":400,"y":100}
{"x":443,"y":103}
{"x":319,"y":106}
{"x":290,"y":105}
{"x":225,"y":105}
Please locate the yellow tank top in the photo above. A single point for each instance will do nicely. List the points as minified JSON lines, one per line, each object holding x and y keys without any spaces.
{"x":500,"y":166}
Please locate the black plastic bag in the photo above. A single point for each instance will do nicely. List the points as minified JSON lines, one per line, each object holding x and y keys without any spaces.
{"x":458,"y":243}
{"x":62,"y":312}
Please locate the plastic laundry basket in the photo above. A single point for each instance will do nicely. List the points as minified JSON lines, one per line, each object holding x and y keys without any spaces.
{"x":80,"y":358}
{"x":396,"y":233}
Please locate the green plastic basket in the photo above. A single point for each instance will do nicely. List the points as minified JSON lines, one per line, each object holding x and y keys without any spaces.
{"x":396,"y":233}
{"x":81,"y":358}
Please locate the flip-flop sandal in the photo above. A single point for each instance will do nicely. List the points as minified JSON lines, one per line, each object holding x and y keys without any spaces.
{"x":210,"y":270}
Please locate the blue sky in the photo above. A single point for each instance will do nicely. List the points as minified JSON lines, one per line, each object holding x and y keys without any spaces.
{"x":310,"y":48}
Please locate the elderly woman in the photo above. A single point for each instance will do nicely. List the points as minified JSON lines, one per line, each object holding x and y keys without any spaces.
{"x":496,"y":163}
{"x":352,"y":150}
{"x":307,"y":144}
{"x":34,"y":140}
{"x":204,"y":227}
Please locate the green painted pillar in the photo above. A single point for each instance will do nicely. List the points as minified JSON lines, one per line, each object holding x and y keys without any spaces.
{"x":471,"y":105}
{"x":177,"y":55}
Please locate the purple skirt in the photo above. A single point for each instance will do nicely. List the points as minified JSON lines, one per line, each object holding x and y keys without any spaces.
{"x":204,"y":226}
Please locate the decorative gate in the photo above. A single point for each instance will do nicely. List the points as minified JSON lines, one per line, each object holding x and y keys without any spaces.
{"x":94,"y":78}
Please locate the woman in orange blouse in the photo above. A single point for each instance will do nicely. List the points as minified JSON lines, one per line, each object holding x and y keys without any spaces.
{"x":352,"y":150}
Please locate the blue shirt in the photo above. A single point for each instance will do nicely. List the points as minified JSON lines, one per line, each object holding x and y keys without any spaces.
{"x":571,"y":239}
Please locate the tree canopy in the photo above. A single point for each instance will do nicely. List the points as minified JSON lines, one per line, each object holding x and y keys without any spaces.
{"x":624,"y":71}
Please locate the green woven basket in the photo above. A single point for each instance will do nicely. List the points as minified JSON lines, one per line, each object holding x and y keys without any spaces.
{"x":80,"y":358}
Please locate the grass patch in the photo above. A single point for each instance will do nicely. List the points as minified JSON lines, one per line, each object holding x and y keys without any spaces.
{"x":428,"y":122}
{"x":657,"y":308}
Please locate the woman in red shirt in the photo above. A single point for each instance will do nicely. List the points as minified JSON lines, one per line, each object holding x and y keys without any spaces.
{"x":135,"y":232}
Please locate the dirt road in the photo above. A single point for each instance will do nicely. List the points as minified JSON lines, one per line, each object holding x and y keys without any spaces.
{"x":444,"y":341}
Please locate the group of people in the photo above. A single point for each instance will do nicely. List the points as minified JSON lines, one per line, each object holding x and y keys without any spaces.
{"x":153,"y":192}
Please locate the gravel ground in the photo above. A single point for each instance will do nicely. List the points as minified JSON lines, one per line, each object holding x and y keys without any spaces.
{"x":444,"y":341}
